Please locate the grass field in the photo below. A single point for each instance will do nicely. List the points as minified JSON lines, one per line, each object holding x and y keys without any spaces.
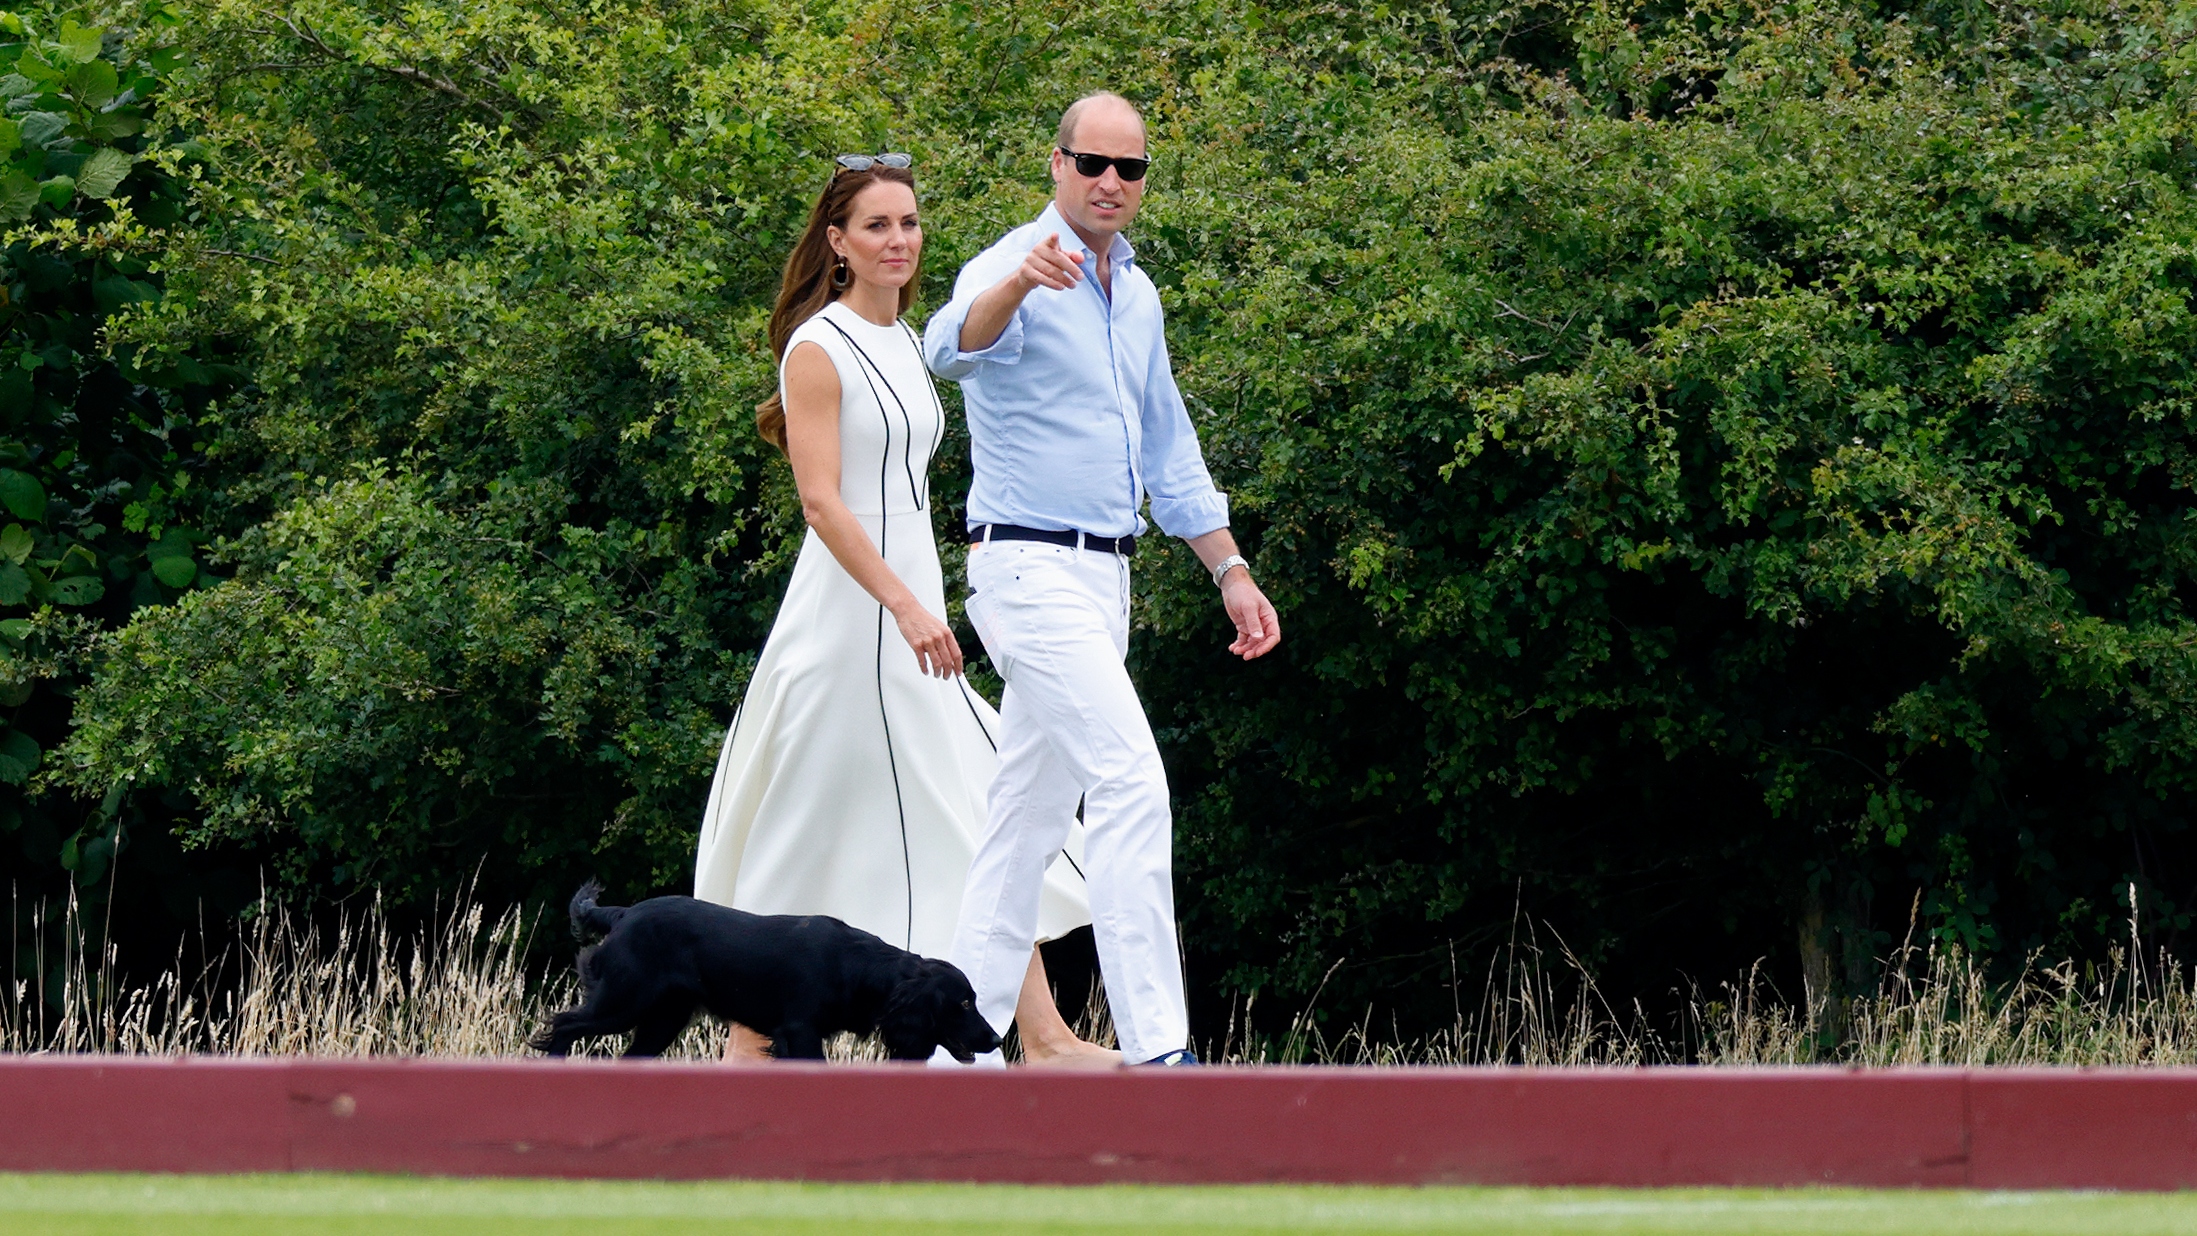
{"x":356,"y":1206}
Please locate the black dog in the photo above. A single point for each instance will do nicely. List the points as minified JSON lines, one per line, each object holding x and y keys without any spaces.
{"x":797,"y":979}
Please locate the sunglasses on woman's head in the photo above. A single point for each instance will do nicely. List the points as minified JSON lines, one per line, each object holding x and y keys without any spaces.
{"x":1096,"y":165}
{"x":863,"y":163}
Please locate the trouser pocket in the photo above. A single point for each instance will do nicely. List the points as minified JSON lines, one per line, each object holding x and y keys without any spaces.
{"x":1013,"y":587}
{"x":982,"y":617}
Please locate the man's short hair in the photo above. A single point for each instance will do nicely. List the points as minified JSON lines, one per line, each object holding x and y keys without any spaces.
{"x":1066,"y":139}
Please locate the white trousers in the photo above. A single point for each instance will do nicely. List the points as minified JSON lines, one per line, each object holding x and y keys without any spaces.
{"x":1056,"y":623}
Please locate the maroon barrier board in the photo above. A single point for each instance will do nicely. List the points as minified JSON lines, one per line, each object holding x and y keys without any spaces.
{"x":2118,"y":1129}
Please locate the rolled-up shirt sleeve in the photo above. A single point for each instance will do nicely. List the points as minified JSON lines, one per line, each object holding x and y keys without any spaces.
{"x":942,"y":334}
{"x":1184,"y":500}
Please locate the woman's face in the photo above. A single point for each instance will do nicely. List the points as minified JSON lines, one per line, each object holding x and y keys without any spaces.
{"x":883,"y":238}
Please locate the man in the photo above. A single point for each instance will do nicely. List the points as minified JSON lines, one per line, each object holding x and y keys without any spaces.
{"x":1055,"y":336}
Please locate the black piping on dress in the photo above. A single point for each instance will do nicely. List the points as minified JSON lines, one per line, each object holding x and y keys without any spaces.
{"x":884,"y":522}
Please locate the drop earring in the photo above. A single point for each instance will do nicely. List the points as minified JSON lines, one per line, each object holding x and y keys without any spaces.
{"x":840,"y":276}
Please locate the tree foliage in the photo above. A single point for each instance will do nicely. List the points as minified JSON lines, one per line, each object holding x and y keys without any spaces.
{"x":95,"y":441}
{"x":1738,"y":487}
{"x":1725,"y":471}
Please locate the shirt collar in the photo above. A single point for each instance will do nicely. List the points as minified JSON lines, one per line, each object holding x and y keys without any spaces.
{"x":1120,"y":253}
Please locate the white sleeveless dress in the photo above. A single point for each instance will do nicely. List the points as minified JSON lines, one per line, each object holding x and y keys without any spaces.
{"x":851,"y":783}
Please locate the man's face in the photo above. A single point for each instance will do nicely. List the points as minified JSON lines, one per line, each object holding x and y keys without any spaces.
{"x":1099,"y":206}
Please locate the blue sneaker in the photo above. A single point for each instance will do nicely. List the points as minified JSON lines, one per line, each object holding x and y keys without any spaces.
{"x":1179,"y":1058}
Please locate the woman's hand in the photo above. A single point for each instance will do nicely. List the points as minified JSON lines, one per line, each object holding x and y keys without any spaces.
{"x":936,"y":650}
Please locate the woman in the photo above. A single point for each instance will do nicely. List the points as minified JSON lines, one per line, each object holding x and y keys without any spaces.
{"x":853,"y":780}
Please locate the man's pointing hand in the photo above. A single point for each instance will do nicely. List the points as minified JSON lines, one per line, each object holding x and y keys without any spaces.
{"x":1047,"y":266}
{"x":1050,"y":266}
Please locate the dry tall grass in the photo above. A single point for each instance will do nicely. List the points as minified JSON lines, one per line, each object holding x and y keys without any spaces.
{"x":1935,"y":1006}
{"x":464,"y":988}
{"x":461,"y":988}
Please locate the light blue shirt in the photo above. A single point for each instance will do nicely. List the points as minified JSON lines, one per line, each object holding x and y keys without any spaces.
{"x":1073,"y":412}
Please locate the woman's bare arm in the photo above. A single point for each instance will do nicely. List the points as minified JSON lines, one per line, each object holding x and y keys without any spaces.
{"x":812,"y":443}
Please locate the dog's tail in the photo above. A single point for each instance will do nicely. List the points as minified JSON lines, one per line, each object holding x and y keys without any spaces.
{"x":591,"y":921}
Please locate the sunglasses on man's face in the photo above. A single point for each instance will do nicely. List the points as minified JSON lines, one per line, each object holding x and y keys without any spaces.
{"x":863,"y":163}
{"x":1095,"y":165}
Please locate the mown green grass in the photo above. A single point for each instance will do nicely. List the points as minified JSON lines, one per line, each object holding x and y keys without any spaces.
{"x":357,"y":1205}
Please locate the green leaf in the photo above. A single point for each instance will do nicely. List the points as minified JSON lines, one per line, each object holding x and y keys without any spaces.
{"x":11,"y":136}
{"x":92,"y":860}
{"x":18,"y":194}
{"x":174,"y":544}
{"x":175,"y":572}
{"x":57,"y":191}
{"x":107,"y":126}
{"x":93,"y":84}
{"x":79,"y":43}
{"x":114,"y":292}
{"x":15,"y":86}
{"x":39,"y":128}
{"x":78,"y":559}
{"x":15,"y":584}
{"x":15,"y":543}
{"x":19,"y":757}
{"x":35,"y":67}
{"x":102,"y":173}
{"x":17,"y":629}
{"x":80,"y":589}
{"x":21,"y":493}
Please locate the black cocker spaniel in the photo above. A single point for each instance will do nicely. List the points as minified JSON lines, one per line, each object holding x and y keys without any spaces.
{"x":797,"y":978}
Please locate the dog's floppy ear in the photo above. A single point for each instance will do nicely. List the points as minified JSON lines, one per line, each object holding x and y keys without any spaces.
{"x":909,"y":1024}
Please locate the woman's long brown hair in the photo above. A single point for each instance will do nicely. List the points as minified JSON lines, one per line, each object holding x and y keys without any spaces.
{"x":807,"y":287}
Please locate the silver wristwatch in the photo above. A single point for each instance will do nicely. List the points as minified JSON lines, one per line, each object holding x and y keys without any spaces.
{"x":1230,"y":563}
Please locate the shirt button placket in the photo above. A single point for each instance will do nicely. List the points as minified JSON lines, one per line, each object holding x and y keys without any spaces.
{"x":1109,"y":304}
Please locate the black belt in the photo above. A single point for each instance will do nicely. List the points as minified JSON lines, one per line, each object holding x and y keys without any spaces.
{"x":1123,"y":545}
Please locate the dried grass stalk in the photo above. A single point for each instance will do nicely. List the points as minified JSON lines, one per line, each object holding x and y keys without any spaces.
{"x":463,"y":987}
